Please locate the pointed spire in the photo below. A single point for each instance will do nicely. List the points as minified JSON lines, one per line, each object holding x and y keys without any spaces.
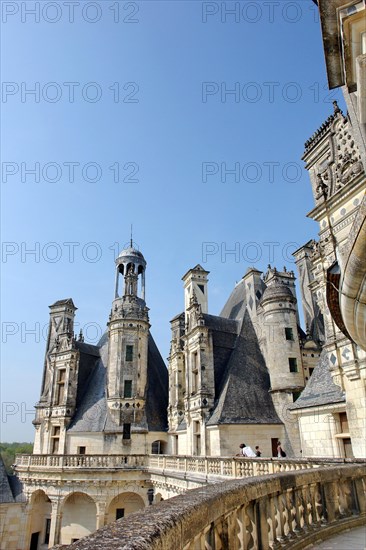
{"x":131,"y":241}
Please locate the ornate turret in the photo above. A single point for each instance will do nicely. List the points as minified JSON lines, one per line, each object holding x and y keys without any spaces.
{"x":128,"y":343}
{"x":59,"y":385}
{"x":131,"y":263}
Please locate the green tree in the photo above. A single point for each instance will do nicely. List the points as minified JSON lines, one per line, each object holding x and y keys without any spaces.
{"x":9,"y":450}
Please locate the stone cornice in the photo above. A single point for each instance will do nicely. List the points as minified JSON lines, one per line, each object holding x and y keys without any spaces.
{"x":338,"y":198}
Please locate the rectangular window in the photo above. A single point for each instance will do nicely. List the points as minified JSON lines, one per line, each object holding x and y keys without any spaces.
{"x":127,"y":390}
{"x":55,"y":445}
{"x":47,"y":531}
{"x":81,"y":450}
{"x":289,"y":333}
{"x":129,"y":353}
{"x":55,"y":439}
{"x":344,"y":422}
{"x":292,"y":361}
{"x":126,"y":431}
{"x":120,"y":513}
{"x":197,"y":438}
{"x":60,"y":391}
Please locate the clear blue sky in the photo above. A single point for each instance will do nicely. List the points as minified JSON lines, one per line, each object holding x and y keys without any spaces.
{"x":174,"y":126}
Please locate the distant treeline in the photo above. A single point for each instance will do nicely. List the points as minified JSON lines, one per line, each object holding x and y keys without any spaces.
{"x":9,"y":450}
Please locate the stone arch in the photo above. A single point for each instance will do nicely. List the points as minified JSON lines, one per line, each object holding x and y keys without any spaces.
{"x":78,"y":517}
{"x":40,"y":519}
{"x":128,"y":502}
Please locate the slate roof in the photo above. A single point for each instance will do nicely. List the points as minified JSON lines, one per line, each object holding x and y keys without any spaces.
{"x":92,"y":413}
{"x":17,"y":489}
{"x":6,"y":494}
{"x":320,"y":390}
{"x":236,"y":304}
{"x":67,"y":301}
{"x":243,"y":397}
{"x":224,"y":335}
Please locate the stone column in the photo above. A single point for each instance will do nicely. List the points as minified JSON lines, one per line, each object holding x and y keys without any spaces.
{"x":28,"y":522}
{"x":101,"y":519}
{"x":56,"y":516}
{"x":143,"y":285}
{"x":116,"y":283}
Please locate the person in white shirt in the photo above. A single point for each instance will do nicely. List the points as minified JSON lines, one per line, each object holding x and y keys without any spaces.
{"x":247,"y":451}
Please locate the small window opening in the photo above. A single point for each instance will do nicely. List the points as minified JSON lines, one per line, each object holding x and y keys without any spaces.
{"x":129,"y":353}
{"x":293,"y":364}
{"x":126,"y":431}
{"x":127,"y":390}
{"x":289,"y":333}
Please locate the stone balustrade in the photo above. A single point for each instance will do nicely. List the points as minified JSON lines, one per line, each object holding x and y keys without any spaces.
{"x":197,"y":468}
{"x":80,"y":461}
{"x":235,"y":467}
{"x":291,"y":509}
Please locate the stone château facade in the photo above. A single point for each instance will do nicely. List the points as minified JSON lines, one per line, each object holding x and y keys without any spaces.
{"x":106,"y":412}
{"x":233,"y":376}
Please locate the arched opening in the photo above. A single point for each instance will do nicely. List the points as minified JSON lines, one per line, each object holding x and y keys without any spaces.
{"x":40,"y":520}
{"x":78,"y":517}
{"x":124,"y":504}
{"x":158,"y":447}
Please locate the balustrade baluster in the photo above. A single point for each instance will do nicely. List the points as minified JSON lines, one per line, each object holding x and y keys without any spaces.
{"x":263,"y":527}
{"x":315,"y":519}
{"x":307,"y":508}
{"x":331,"y":501}
{"x":210,"y":538}
{"x":282,"y":517}
{"x":360,"y":495}
{"x":250,"y":519}
{"x":273,"y":522}
{"x":291,"y":513}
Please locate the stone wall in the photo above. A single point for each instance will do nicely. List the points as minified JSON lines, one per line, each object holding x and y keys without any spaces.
{"x":12,"y":526}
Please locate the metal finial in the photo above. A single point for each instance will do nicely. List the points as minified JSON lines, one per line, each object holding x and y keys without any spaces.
{"x":131,"y":241}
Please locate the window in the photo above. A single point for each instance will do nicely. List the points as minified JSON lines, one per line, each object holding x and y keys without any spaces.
{"x":47,"y":531}
{"x":81,"y":450}
{"x":194,"y":381}
{"x":343,"y":420}
{"x":197,"y":438}
{"x":129,"y":353}
{"x":55,"y":439}
{"x":292,"y":361}
{"x":127,"y":391}
{"x":194,"y":358}
{"x":126,"y":431}
{"x":289,"y":333}
{"x":120,"y":513}
{"x":60,"y":391}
